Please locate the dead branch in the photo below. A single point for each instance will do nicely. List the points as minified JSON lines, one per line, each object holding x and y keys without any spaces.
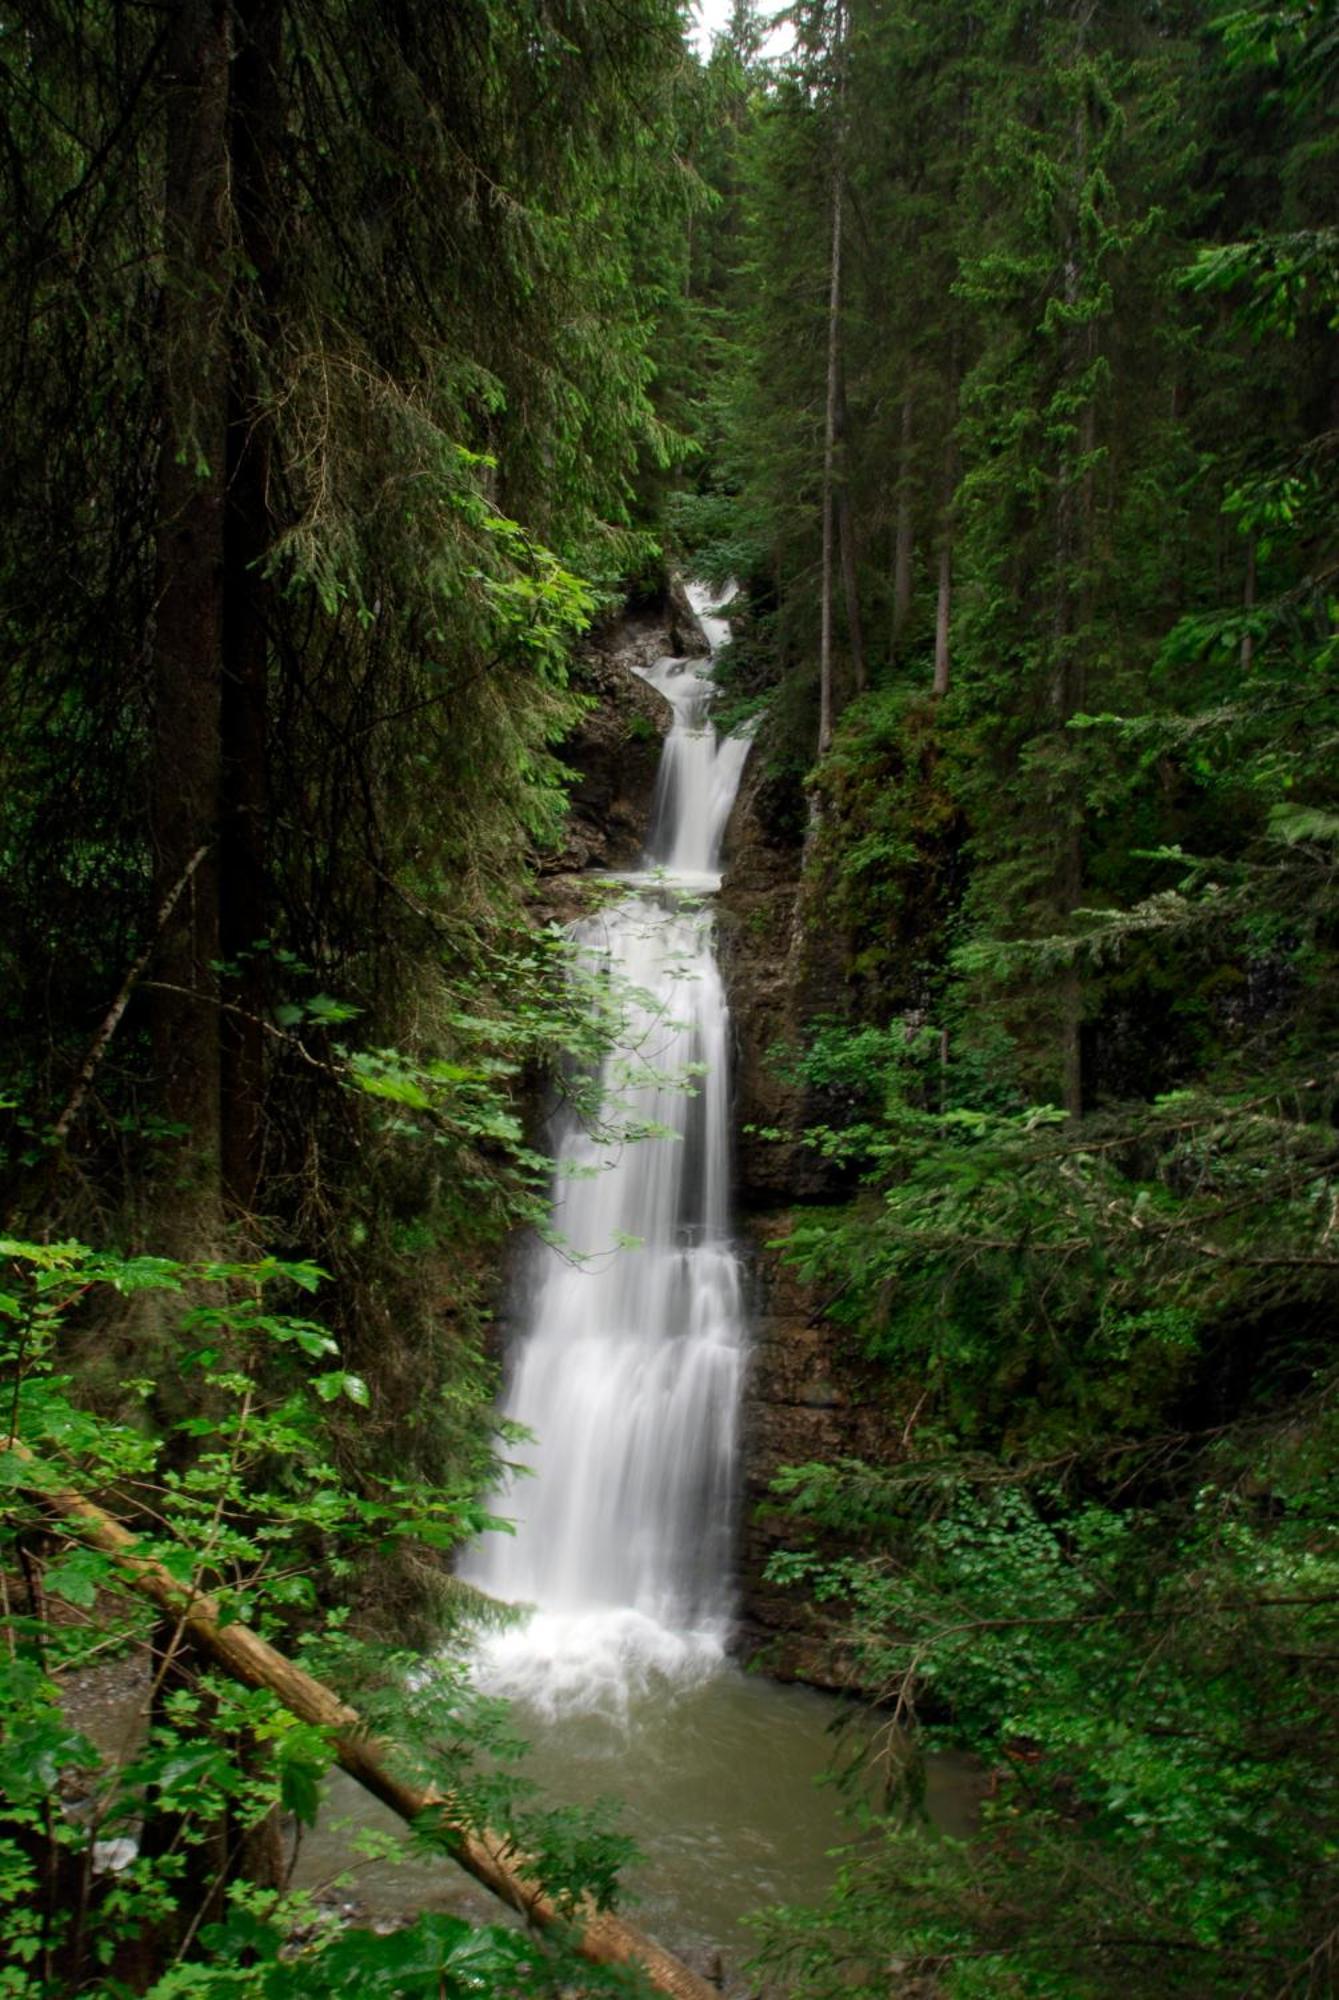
{"x":98,"y":1046}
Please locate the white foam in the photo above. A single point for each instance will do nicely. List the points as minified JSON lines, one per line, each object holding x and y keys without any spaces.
{"x":600,"y":1661}
{"x":113,"y":1857}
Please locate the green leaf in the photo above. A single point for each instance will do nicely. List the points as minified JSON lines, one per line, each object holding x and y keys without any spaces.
{"x":340,"y":1383}
{"x":78,"y":1576}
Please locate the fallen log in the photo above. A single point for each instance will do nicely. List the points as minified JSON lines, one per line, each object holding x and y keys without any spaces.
{"x":598,"y":1935}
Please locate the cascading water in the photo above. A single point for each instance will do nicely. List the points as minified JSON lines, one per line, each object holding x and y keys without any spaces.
{"x":627,"y":1371}
{"x":628,"y":1367}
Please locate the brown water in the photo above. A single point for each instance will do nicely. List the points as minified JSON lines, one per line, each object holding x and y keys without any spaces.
{"x":725,"y":1788}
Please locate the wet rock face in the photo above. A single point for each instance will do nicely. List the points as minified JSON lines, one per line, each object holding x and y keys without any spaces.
{"x":807,"y":1396}
{"x":762,"y":954}
{"x":614,"y":750}
{"x":687,"y":639}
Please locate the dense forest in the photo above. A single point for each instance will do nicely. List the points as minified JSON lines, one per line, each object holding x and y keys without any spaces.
{"x":362,"y":364}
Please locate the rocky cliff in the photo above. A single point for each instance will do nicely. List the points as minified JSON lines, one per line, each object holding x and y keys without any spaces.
{"x":614,"y":752}
{"x":807,"y":1396}
{"x":770,"y":969}
{"x":615,"y":749}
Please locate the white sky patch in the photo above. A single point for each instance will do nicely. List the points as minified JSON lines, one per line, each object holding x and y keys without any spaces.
{"x":712,"y":17}
{"x":709,"y":18}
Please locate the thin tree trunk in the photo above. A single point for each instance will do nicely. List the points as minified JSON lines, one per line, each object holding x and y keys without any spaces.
{"x":1075,"y":540}
{"x":187,"y":720}
{"x":1248,"y":604}
{"x":600,"y":1936}
{"x":850,"y":583}
{"x":829,"y":465}
{"x":188,"y":626}
{"x":943,"y":612}
{"x":903,"y":541}
{"x":1067,"y":679}
{"x":944,"y":595}
{"x":846,"y":540}
{"x":1074,"y":693}
{"x":256,"y":130}
{"x":833,"y":407}
{"x":102,"y":1040}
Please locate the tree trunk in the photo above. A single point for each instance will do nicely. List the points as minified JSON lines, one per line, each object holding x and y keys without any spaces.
{"x":187,"y":645}
{"x":846,"y":540}
{"x":851,"y":588}
{"x":1073,"y":697}
{"x":944,"y":597}
{"x":903,"y":540}
{"x":600,"y":1936}
{"x":1248,"y":604}
{"x":829,"y":465}
{"x":256,"y":131}
{"x":1064,"y":690}
{"x":1075,"y":541}
{"x":833,"y":402}
{"x":943,"y":610}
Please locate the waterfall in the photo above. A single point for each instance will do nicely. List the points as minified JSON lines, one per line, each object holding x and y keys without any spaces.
{"x":627,"y":1365}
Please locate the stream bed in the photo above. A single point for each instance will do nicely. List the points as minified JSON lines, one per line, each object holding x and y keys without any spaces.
{"x":725,"y":1788}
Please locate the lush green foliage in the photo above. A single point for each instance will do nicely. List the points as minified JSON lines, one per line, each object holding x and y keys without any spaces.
{"x":326,"y":351}
{"x":405,"y":350}
{"x":239,"y":1500}
{"x":1149,"y":1687}
{"x":1077,"y":1108}
{"x":430,"y":322}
